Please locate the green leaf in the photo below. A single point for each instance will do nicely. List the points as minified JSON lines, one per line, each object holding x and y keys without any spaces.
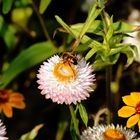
{"x":7,"y":5}
{"x":127,"y":49}
{"x":94,"y":12}
{"x":66,"y":27}
{"x":110,"y":30}
{"x":43,"y":5}
{"x":95,"y":27}
{"x":116,"y":39}
{"x":26,"y":59}
{"x":75,"y":32}
{"x":83,"y":114}
{"x":123,"y":27}
{"x":7,"y":32}
{"x":9,"y":37}
{"x":62,"y":126}
{"x":73,"y":132}
{"x":1,"y":22}
{"x":92,"y":52}
{"x":81,"y":48}
{"x":74,"y":121}
{"x":32,"y":134}
{"x":99,"y":64}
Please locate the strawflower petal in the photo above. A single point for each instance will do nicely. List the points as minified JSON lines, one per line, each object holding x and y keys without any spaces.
{"x":2,"y":131}
{"x":132,"y":120}
{"x":128,"y":100}
{"x":126,"y":111}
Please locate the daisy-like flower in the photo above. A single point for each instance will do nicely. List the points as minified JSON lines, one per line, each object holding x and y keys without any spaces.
{"x":2,"y":131}
{"x":10,"y":99}
{"x":108,"y":132}
{"x":66,"y":81}
{"x":132,"y":109}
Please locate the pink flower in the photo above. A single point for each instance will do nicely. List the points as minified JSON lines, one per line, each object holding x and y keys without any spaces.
{"x":65,"y":82}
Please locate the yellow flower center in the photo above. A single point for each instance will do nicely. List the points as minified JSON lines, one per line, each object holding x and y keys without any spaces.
{"x":64,"y":71}
{"x":137,"y":108}
{"x":113,"y":134}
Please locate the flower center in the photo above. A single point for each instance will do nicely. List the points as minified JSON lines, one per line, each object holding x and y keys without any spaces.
{"x":138,"y":108}
{"x":113,"y":134}
{"x":64,"y":71}
{"x":4,"y":96}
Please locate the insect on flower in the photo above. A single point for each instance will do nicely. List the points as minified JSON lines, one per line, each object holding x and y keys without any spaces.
{"x":69,"y":57}
{"x":66,"y":79}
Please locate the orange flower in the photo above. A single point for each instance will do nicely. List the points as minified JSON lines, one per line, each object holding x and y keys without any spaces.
{"x":132,"y":109}
{"x":9,"y":99}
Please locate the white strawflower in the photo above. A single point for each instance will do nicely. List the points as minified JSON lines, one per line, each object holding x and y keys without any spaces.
{"x":63,"y":81}
{"x":134,"y":39}
{"x":108,"y":132}
{"x":2,"y":131}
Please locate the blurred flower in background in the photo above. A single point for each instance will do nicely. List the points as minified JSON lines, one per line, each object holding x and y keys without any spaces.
{"x":2,"y":131}
{"x":64,"y":81}
{"x":134,"y":37}
{"x":132,"y":109}
{"x":10,"y":99}
{"x":86,"y":5}
{"x":108,"y":132}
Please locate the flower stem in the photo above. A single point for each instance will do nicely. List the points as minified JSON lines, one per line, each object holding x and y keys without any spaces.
{"x":109,"y":99}
{"x":74,"y":121}
{"x":42,"y":23}
{"x":108,"y":93}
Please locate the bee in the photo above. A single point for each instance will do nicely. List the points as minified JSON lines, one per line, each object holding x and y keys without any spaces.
{"x":70,"y":58}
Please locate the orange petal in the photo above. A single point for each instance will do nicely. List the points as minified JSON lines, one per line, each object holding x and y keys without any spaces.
{"x":16,"y":97}
{"x":18,"y":104}
{"x":128,"y":100}
{"x":7,"y":110}
{"x":133,"y":120}
{"x":139,"y":125}
{"x":126,"y":111}
{"x":135,"y":96}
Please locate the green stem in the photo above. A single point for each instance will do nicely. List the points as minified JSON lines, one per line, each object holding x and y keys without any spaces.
{"x":74,"y":121}
{"x":42,"y":23}
{"x":108,"y":93}
{"x":109,"y":99}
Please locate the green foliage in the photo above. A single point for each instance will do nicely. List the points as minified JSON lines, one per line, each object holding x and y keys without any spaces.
{"x":1,"y":22}
{"x":74,"y":125}
{"x":105,"y":52}
{"x":83,"y":114}
{"x":61,"y":130}
{"x":7,"y":32}
{"x":43,"y":5}
{"x":7,"y":5}
{"x":30,"y":57}
{"x":32,"y":134}
{"x":94,"y":12}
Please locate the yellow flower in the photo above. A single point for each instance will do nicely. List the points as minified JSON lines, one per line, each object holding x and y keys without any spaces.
{"x":132,"y":109}
{"x":10,"y":99}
